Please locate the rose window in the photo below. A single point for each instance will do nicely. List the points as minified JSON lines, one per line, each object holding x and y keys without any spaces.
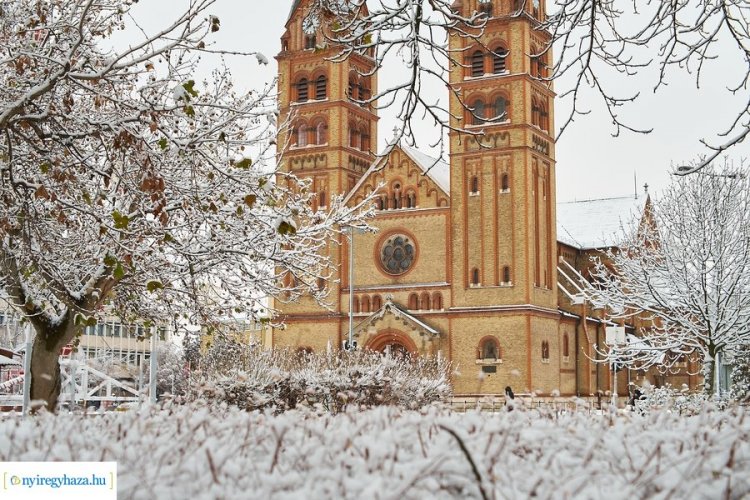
{"x":397,"y":254}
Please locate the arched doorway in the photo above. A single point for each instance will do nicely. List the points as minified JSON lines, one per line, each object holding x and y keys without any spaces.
{"x":393,"y":342}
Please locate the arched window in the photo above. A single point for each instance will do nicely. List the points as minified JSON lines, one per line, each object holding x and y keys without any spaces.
{"x":485,"y":7}
{"x":377,"y":303}
{"x":321,"y":284}
{"x":366,"y":304}
{"x":489,"y":349}
{"x":501,"y":108}
{"x":322,"y":201}
{"x":364,"y":139}
{"x":475,"y":276}
{"x":353,"y":136}
{"x":437,"y":301}
{"x":543,"y":117}
{"x":413,"y":302}
{"x":535,"y":113}
{"x":411,"y":200}
{"x":356,"y":305}
{"x":477,"y":63}
{"x":302,"y":136}
{"x":424,"y":302}
{"x":364,"y":88}
{"x":545,"y":350}
{"x":321,"y":88}
{"x":353,"y":87}
{"x":474,"y":187}
{"x":506,"y":274}
{"x":505,"y":182}
{"x":310,"y":41}
{"x":499,"y":56}
{"x":566,"y":346}
{"x":534,"y":64}
{"x":302,"y":90}
{"x":320,"y":133}
{"x":478,"y":112}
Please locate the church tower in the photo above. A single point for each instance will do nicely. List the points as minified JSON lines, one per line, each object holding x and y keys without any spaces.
{"x":328,"y":135}
{"x":503,"y":183}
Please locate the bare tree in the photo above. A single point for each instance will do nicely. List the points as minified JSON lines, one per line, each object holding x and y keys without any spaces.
{"x":686,"y":268}
{"x":597,"y":43}
{"x":127,"y":185}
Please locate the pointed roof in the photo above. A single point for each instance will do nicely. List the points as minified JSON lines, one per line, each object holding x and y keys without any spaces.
{"x":390,"y":308}
{"x":435,"y":169}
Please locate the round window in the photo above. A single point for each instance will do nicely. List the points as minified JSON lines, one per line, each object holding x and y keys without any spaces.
{"x":397,"y":254}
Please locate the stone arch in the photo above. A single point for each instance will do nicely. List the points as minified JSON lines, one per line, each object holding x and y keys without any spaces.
{"x":388,"y":337}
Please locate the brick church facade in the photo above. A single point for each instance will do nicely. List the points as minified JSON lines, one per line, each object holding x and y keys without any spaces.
{"x":467,"y":262}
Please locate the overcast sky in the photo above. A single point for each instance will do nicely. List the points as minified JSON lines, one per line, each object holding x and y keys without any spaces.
{"x":590,"y":162}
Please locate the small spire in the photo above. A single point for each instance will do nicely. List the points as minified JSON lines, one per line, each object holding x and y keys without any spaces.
{"x":645,"y":188}
{"x":396,"y":133}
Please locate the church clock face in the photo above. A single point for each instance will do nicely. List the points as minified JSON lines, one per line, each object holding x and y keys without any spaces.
{"x":397,"y":254}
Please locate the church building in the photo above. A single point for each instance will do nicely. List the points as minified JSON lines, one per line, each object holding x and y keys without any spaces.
{"x":469,"y":262}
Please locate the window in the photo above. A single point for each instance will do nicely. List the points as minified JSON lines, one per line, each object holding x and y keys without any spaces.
{"x":475,"y":276}
{"x":535,"y":113}
{"x":543,"y":117}
{"x":356,"y":305}
{"x":353,"y":136}
{"x":485,"y":7}
{"x":377,"y":303}
{"x":501,"y":108}
{"x":424,"y":302}
{"x":365,"y":304}
{"x":397,"y":254}
{"x":545,"y":350}
{"x":302,"y":136}
{"x":474,"y":187}
{"x":413,"y":302}
{"x":506,"y":274}
{"x":489,"y":349}
{"x":437,"y":301}
{"x":321,"y":284}
{"x":411,"y":200}
{"x":565,"y":346}
{"x":302,"y":90}
{"x":310,"y":41}
{"x":364,"y":139}
{"x":505,"y":183}
{"x":499,"y":56}
{"x":352,"y":90}
{"x":320,"y":133}
{"x":477,"y":64}
{"x":321,"y":88}
{"x":322,"y":201}
{"x":478,"y":112}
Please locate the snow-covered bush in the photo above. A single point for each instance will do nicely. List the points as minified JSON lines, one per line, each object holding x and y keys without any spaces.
{"x":281,"y":379}
{"x":196,"y":451}
{"x":682,"y":401}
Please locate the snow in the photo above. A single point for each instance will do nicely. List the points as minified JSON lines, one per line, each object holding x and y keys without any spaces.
{"x":197,"y":452}
{"x":436,"y":169}
{"x":596,"y":223}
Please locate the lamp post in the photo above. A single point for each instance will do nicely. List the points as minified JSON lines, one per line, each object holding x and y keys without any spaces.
{"x":350,"y":346}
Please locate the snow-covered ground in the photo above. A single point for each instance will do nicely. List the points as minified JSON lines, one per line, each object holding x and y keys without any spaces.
{"x":194,"y":452}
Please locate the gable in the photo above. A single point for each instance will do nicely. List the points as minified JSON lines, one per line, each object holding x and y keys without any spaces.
{"x":403,"y":172}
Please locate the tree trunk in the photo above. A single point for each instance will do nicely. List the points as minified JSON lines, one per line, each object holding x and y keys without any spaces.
{"x":46,"y":381}
{"x":709,"y":370}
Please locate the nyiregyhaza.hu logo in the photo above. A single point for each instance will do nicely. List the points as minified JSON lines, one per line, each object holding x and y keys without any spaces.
{"x":79,"y":480}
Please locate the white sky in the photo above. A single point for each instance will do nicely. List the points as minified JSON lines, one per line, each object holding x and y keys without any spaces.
{"x":590,"y":162}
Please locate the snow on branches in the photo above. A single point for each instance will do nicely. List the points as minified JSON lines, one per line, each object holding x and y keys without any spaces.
{"x":127,"y":183}
{"x":684,"y":269}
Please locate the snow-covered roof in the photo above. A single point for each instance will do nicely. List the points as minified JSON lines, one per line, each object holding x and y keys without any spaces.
{"x":596,"y":223}
{"x":8,"y":361}
{"x":436,"y":169}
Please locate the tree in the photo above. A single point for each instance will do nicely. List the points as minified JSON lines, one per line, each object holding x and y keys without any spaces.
{"x":127,"y":186}
{"x":685,"y":267}
{"x":596,"y":44}
{"x":741,"y":374}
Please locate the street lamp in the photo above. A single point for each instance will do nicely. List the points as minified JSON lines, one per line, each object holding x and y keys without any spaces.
{"x":350,"y":345}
